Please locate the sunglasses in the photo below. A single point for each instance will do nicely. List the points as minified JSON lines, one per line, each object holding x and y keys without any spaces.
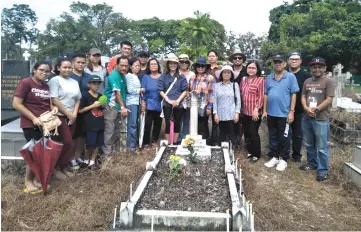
{"x":237,"y":58}
{"x":278,"y":61}
{"x":96,"y":55}
{"x":200,"y":66}
{"x":184,"y":62}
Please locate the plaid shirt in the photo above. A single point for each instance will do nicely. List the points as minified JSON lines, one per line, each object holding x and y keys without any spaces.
{"x":205,"y":84}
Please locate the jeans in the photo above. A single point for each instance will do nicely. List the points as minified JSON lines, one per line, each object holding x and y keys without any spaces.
{"x":297,"y":138}
{"x":186,"y":117}
{"x":132,"y":126}
{"x":315,"y":134}
{"x":276,"y":130}
{"x":251,"y":135}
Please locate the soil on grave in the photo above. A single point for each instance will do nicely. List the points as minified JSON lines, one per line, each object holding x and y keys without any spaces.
{"x":201,"y":187}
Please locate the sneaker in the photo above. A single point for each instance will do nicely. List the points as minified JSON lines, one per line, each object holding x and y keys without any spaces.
{"x":249,"y":156}
{"x":73,"y":165}
{"x":321,"y":177}
{"x":273,"y":162}
{"x":282,"y":165}
{"x":307,"y":167}
{"x":84,"y":164}
{"x":253,"y":159}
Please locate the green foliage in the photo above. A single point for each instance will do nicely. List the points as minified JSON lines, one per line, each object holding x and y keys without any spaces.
{"x":329,"y":28}
{"x":17,"y":26}
{"x":174,"y":166}
{"x":192,"y":156}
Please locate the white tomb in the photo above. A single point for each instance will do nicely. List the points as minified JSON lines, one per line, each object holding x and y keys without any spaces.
{"x":200,"y":147}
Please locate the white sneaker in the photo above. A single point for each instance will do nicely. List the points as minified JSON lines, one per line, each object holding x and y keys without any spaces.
{"x":282,"y":165}
{"x":273,"y":162}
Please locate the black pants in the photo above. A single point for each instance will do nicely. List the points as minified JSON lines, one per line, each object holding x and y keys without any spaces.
{"x":215,"y":131}
{"x":226,"y":131}
{"x":297,"y":137}
{"x":32,"y":133}
{"x":203,"y":128}
{"x":251,"y":135}
{"x":177,"y":116}
{"x":276,"y":130}
{"x":152,"y":117}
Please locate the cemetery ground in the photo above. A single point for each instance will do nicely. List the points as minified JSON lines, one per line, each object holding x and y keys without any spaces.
{"x":289,"y":200}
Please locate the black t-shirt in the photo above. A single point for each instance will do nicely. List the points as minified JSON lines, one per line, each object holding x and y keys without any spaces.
{"x":241,"y":74}
{"x":141,"y":75}
{"x":301,"y":76}
{"x":94,"y":118}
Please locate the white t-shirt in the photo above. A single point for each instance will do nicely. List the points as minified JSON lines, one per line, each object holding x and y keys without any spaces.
{"x":100,"y":73}
{"x":66,"y":90}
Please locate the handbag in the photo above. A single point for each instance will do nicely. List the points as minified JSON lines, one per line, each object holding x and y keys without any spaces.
{"x":50,"y":122}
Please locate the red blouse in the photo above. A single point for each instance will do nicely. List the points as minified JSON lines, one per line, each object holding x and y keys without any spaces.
{"x":252,"y":92}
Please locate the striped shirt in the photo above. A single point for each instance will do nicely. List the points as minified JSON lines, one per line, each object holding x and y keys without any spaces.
{"x":252,"y":94}
{"x":207,"y":86}
{"x":133,"y":86}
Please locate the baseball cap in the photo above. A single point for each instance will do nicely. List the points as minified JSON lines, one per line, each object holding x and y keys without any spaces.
{"x":278,"y":57}
{"x":294,"y":55}
{"x":94,"y":78}
{"x":94,"y":51}
{"x":143,"y":53}
{"x":318,"y":60}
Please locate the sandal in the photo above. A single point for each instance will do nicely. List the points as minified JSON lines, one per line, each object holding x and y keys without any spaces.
{"x":36,"y":190}
{"x":307,"y":167}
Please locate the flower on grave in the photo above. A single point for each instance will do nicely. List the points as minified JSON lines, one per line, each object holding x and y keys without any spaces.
{"x":174,"y":166}
{"x":189,"y":142}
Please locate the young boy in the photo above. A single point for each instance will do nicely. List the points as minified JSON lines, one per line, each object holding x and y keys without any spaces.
{"x":93,"y":124}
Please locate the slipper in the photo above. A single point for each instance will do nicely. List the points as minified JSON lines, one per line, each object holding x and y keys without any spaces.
{"x":36,"y":190}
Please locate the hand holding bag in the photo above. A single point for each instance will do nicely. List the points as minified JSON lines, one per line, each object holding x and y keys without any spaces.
{"x":50,"y":122}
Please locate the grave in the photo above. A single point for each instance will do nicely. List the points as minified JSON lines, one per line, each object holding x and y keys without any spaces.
{"x":353,"y":170}
{"x":204,"y":195}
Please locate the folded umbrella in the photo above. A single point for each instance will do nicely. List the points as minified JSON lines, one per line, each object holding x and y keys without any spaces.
{"x":27,"y":153}
{"x":141,"y":129}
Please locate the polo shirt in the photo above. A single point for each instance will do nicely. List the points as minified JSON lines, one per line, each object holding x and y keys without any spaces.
{"x":116,"y":82}
{"x":279,"y":94}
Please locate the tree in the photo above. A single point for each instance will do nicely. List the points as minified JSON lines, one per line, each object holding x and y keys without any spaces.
{"x":201,"y":34}
{"x":17,"y":26}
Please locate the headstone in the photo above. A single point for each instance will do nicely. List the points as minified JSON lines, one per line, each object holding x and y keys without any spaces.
{"x":339,"y":79}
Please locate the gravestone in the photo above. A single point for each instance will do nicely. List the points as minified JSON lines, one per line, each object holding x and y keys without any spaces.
{"x":12,"y":71}
{"x":339,"y":82}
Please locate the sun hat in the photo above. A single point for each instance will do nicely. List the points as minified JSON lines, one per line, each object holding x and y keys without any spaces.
{"x":238,"y":52}
{"x":201,"y":61}
{"x":172,"y":58}
{"x":225,"y":67}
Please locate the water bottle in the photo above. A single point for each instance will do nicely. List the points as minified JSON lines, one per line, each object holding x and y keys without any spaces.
{"x":286,"y":130}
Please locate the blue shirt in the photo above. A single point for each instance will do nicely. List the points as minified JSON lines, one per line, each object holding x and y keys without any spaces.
{"x":165,"y":81}
{"x":83,"y":82}
{"x":151,"y":95}
{"x":279,"y":94}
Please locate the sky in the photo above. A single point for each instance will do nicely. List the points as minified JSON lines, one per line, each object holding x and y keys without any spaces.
{"x":239,"y":16}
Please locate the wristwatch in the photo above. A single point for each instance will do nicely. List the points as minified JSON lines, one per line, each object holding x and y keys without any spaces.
{"x":317,"y":111}
{"x":122,"y":108}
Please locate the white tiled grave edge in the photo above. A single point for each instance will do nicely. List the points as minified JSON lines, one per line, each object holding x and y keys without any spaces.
{"x":239,"y":217}
{"x":12,"y":139}
{"x":353,"y":170}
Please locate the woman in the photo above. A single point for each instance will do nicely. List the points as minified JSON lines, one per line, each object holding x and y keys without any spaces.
{"x":151,"y":103}
{"x":32,"y":98}
{"x":202,"y":84}
{"x":132,"y":102}
{"x":95,"y":67}
{"x":172,"y":87}
{"x":252,"y":88}
{"x":227,"y":104}
{"x":184,"y":65}
{"x":65,"y":94}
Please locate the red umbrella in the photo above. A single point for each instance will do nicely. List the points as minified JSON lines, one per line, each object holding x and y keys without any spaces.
{"x":47,"y":153}
{"x":26,"y":153}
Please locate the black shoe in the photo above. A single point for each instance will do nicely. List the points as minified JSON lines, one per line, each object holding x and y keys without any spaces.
{"x":322,"y":177}
{"x":253,"y":159}
{"x":296,"y":160}
{"x":307,"y":167}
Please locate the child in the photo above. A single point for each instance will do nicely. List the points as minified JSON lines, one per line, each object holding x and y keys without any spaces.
{"x":93,"y":121}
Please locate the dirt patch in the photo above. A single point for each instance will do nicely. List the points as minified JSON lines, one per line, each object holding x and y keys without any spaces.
{"x":85,"y":202}
{"x":294,"y":200}
{"x":201,"y":187}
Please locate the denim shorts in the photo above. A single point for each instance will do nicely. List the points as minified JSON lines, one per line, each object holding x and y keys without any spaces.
{"x":94,"y":139}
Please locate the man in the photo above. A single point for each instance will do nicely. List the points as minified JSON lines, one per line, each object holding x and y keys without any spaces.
{"x":238,"y":58}
{"x":279,"y":107}
{"x":212,"y":57}
{"x":294,"y":64}
{"x":317,"y":94}
{"x":82,"y":77}
{"x":143,"y":59}
{"x":115,"y":110}
{"x":125,"y":51}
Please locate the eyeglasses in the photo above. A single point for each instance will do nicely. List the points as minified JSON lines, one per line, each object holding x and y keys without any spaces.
{"x":96,"y":55}
{"x":200,"y":66}
{"x":237,"y":58}
{"x":143,"y":56}
{"x":294,"y":59}
{"x":43,"y":70}
{"x":252,"y":68}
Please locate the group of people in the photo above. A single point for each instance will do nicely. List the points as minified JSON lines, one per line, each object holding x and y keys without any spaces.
{"x":99,"y":106}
